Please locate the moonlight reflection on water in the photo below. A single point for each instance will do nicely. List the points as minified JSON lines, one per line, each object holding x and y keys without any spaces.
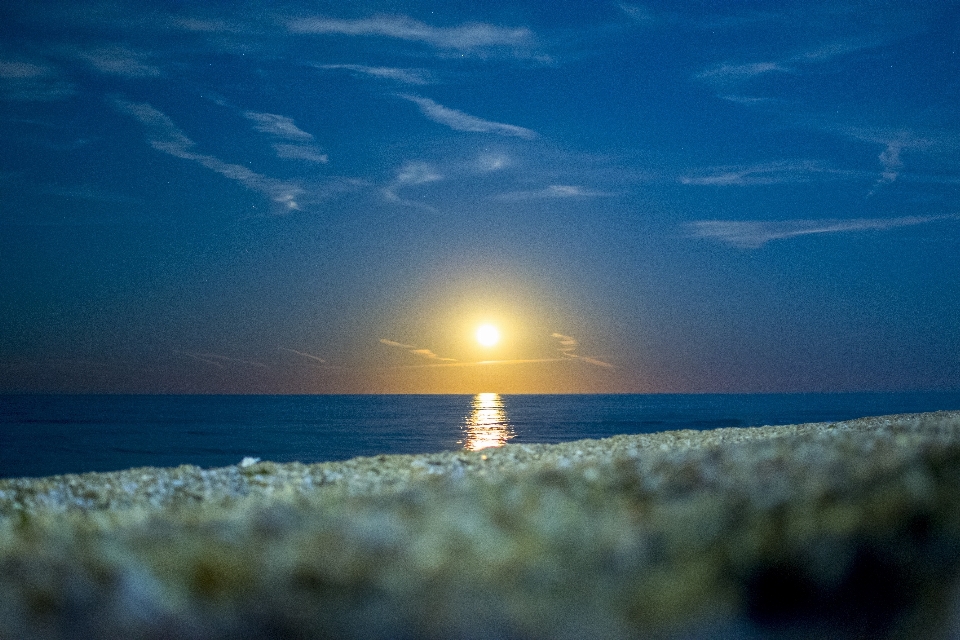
{"x":486,"y":425}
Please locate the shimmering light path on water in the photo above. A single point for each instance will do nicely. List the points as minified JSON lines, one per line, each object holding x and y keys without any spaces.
{"x":52,"y":434}
{"x":487,"y":425}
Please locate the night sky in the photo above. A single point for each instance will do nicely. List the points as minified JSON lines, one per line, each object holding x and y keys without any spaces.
{"x":330,"y":197}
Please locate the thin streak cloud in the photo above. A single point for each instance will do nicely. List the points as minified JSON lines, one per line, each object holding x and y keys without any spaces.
{"x":724,"y":73}
{"x":304,"y":355}
{"x":411,"y":174}
{"x":120,"y":61}
{"x":395,"y":344}
{"x":297,"y":144}
{"x":10,"y":69}
{"x":463,"y":38}
{"x":554,"y":191}
{"x":568,"y":347}
{"x":730,"y":74}
{"x":300,"y":152}
{"x":642,"y":15}
{"x":279,"y":126}
{"x":646,"y":16}
{"x":568,"y":344}
{"x":890,"y":159}
{"x":460,"y":121}
{"x":481,"y":363}
{"x":893,"y":144}
{"x":405,"y":76}
{"x":770,"y":173}
{"x":164,"y":136}
{"x":31,"y":82}
{"x":421,"y":353}
{"x":219,"y":361}
{"x":755,"y":234}
{"x":490,"y":162}
{"x":207,"y":25}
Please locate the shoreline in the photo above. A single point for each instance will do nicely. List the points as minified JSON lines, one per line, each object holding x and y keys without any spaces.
{"x":756,"y":530}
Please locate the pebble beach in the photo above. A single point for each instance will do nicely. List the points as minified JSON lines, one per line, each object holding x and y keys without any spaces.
{"x":839,"y":530}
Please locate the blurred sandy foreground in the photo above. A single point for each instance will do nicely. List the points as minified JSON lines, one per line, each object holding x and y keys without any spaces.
{"x":839,"y":530}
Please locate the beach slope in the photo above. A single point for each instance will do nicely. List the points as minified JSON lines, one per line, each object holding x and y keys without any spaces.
{"x":840,"y":530}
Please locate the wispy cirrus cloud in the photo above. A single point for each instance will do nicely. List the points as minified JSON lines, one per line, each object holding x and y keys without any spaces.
{"x":728,"y":75}
{"x":481,"y":363}
{"x":411,"y":174}
{"x":567,"y":352}
{"x":894,"y":143}
{"x":205,"y":25}
{"x":304,"y":355}
{"x":554,"y":191}
{"x":725,"y":73}
{"x":417,"y":351}
{"x":782,"y":172}
{"x":490,"y":162}
{"x":832,"y":50}
{"x":23,"y":81}
{"x":752,"y":234}
{"x":647,"y":16}
{"x":279,"y":126}
{"x":568,"y":347}
{"x":473,"y":37}
{"x":644,"y":15}
{"x":891,"y":162}
{"x":568,"y":344}
{"x":460,"y":121}
{"x":221,"y":362}
{"x":405,"y":76}
{"x":936,"y":150}
{"x":300,"y":152}
{"x":297,"y":144}
{"x":120,"y":61}
{"x":746,"y":100}
{"x":164,"y":136}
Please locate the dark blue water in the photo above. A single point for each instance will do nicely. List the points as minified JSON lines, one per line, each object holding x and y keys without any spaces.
{"x":53,"y":434}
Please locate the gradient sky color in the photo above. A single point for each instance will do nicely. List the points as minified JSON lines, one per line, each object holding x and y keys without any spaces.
{"x":329,"y":197}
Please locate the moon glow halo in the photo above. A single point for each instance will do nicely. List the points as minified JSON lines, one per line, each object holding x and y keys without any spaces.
{"x":488,"y":335}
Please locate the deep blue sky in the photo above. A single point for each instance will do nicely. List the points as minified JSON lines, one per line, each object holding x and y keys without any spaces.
{"x":329,"y":197}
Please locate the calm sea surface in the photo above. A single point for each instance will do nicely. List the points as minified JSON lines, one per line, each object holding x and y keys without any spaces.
{"x":53,"y":434}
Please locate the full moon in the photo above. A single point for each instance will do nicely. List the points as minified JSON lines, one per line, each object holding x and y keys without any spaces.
{"x":488,"y":335}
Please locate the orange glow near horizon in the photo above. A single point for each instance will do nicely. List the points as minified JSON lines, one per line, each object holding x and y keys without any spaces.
{"x":487,"y":330}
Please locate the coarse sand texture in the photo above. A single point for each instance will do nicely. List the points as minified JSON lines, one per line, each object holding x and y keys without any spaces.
{"x":830,"y":530}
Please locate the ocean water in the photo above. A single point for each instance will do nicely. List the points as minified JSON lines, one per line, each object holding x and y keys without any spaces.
{"x":53,"y":434}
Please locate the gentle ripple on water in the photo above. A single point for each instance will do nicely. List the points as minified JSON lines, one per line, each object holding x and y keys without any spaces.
{"x":52,"y":434}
